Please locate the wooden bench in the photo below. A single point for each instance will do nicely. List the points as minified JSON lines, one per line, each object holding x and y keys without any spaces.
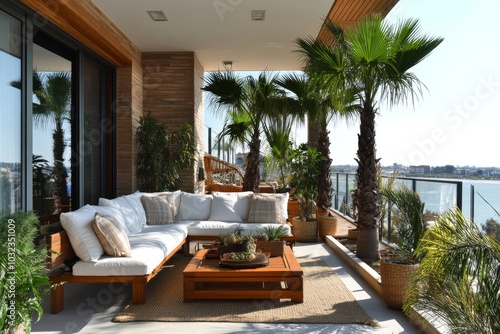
{"x":61,"y":250}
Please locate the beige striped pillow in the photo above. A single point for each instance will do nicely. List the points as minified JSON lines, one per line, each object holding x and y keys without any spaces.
{"x":263,"y":210}
{"x":112,"y":236}
{"x":159,"y":209}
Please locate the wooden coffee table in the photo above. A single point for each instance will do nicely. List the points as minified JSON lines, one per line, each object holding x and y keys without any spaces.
{"x":282,"y":278}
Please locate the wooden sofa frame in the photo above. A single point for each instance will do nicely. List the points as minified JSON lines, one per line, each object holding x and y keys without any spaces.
{"x":61,"y":250}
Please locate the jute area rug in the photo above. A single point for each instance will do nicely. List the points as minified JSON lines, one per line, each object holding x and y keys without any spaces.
{"x":326,"y":300}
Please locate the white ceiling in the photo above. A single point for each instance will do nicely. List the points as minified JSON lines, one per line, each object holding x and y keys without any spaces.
{"x":222,"y":30}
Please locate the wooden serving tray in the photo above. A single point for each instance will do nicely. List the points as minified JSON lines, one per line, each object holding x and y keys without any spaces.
{"x":261,"y":261}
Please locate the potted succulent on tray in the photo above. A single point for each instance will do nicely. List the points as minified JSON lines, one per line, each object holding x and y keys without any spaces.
{"x":268,"y":240}
{"x":304,"y":162}
{"x":396,"y":274}
{"x":236,"y":242}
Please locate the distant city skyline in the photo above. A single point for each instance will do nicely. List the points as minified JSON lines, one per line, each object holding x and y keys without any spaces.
{"x":456,"y":119}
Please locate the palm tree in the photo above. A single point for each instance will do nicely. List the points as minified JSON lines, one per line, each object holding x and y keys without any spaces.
{"x":314,"y":98}
{"x":373,"y":60}
{"x":54,"y":95}
{"x":458,"y":280}
{"x":277,"y":132}
{"x":248,"y":102}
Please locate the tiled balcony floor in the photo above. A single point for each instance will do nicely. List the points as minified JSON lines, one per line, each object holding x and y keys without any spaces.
{"x":90,"y":310}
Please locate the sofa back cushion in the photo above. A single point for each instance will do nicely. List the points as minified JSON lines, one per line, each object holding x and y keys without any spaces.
{"x":129,"y":213}
{"x":78,"y":226}
{"x":194,"y":206}
{"x":112,"y":236}
{"x":159,"y":209}
{"x":230,"y":206}
{"x":114,"y":213}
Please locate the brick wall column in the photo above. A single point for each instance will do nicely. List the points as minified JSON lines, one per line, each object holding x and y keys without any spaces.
{"x":172,"y":83}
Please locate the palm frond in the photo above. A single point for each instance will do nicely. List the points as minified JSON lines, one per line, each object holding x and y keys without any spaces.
{"x":458,"y":281}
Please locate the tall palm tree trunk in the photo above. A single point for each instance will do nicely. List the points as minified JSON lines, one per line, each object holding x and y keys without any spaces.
{"x":60,"y":189}
{"x":251,"y":178}
{"x":367,"y":196}
{"x":325,"y":191}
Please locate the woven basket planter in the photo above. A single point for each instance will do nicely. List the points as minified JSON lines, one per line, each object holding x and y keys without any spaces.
{"x":275,"y":247}
{"x":327,"y":226}
{"x":305,"y":230}
{"x":396,"y":279}
{"x":352,"y":234}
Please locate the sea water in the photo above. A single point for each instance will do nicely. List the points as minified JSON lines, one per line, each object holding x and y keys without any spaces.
{"x":439,"y":196}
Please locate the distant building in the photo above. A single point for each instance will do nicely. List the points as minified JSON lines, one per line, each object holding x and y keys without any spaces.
{"x":422,"y":169}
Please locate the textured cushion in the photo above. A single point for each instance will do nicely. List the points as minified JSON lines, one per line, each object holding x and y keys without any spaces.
{"x":128,"y":212}
{"x":224,"y":207}
{"x":112,"y":236}
{"x":159,"y":209}
{"x":281,"y":205}
{"x":194,"y":206}
{"x":112,"y":212}
{"x":263,"y":210}
{"x":78,"y":225}
{"x":176,"y":195}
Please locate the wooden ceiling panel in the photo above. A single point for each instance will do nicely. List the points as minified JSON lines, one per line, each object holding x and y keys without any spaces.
{"x":347,"y":13}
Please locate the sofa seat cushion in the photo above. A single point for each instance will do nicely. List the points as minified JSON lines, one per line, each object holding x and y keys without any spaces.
{"x":148,"y":249}
{"x":216,"y":228}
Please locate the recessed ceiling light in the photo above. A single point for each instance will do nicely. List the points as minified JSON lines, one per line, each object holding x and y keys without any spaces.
{"x":258,"y":15}
{"x":157,"y":15}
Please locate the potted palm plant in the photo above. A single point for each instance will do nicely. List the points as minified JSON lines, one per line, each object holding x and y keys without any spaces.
{"x":305,"y":165}
{"x":396,"y":273}
{"x":458,"y":280}
{"x":162,"y":155}
{"x":23,"y":275}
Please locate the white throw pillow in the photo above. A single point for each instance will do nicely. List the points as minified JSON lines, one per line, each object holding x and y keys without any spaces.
{"x":112,"y":212}
{"x":128,"y":212}
{"x":223,"y":208}
{"x":135,"y":200}
{"x":194,"y":206}
{"x":78,"y":225}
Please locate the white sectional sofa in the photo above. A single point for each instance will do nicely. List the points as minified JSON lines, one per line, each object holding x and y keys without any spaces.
{"x":141,"y":231}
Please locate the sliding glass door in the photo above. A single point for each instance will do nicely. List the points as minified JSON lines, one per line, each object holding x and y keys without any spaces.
{"x":11,"y":85}
{"x":57,"y":119}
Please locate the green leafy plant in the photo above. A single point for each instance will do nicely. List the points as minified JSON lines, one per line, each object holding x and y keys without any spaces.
{"x":373,"y":61}
{"x":411,"y":228}
{"x":162,"y":155}
{"x":23,"y":277}
{"x":271,"y":233}
{"x":305,"y":165}
{"x":458,"y":279}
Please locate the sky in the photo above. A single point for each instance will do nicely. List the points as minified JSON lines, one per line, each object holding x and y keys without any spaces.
{"x":456,"y":120}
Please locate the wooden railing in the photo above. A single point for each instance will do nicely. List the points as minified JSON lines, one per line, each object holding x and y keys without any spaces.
{"x":220,"y":171}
